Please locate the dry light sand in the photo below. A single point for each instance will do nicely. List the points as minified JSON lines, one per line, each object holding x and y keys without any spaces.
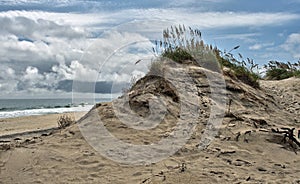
{"x":244,"y":151}
{"x":32,"y":123}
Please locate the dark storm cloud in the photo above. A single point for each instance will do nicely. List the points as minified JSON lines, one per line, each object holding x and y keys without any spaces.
{"x":105,"y":87}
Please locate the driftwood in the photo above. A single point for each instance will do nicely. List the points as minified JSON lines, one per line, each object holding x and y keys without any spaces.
{"x":288,"y":133}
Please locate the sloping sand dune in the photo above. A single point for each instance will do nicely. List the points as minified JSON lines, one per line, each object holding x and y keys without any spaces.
{"x":243,"y":151}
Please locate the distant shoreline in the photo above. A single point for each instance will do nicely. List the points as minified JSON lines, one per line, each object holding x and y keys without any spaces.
{"x":10,"y":108}
{"x":37,"y":112}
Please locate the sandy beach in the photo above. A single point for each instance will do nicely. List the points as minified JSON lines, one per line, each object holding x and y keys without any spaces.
{"x":19,"y":125}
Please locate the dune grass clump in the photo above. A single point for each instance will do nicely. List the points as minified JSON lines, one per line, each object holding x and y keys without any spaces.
{"x":181,"y":44}
{"x":65,"y":120}
{"x":178,"y":55}
{"x":276,"y":70}
{"x":247,"y":77}
{"x":242,"y":69}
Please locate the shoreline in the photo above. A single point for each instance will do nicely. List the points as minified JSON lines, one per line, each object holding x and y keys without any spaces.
{"x":42,"y":111}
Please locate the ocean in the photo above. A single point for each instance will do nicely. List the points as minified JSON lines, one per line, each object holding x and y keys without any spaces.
{"x":10,"y":108}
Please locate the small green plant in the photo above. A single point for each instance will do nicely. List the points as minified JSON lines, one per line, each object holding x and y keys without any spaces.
{"x":65,"y":120}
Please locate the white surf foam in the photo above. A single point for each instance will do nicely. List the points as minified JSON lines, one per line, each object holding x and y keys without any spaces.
{"x":32,"y":112}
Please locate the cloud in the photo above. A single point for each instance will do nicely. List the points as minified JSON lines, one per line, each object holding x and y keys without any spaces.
{"x":75,"y":71}
{"x":215,"y":19}
{"x":17,"y":24}
{"x":38,"y":42}
{"x":39,"y":49}
{"x":259,"y":46}
{"x":8,"y":80}
{"x":103,"y":5}
{"x":247,"y":37}
{"x":113,"y":56}
{"x":78,"y":20}
{"x":20,"y":2}
{"x":32,"y":73}
{"x":179,"y":15}
{"x":119,"y":48}
{"x":33,"y":80}
{"x":7,"y":73}
{"x":292,"y":45}
{"x":193,"y":3}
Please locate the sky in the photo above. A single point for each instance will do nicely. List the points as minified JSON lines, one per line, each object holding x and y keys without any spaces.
{"x":46,"y":45}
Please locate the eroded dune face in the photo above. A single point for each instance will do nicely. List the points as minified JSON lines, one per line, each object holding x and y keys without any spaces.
{"x":286,"y":92}
{"x":244,"y":149}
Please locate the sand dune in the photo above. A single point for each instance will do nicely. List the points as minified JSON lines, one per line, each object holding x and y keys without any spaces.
{"x":245,"y":150}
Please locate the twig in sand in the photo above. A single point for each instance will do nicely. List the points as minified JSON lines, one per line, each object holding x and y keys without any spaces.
{"x":288,"y":133}
{"x":229,"y":104}
{"x":238,"y":136}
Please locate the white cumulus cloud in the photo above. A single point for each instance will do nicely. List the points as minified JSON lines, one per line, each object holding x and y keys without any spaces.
{"x":292,"y":45}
